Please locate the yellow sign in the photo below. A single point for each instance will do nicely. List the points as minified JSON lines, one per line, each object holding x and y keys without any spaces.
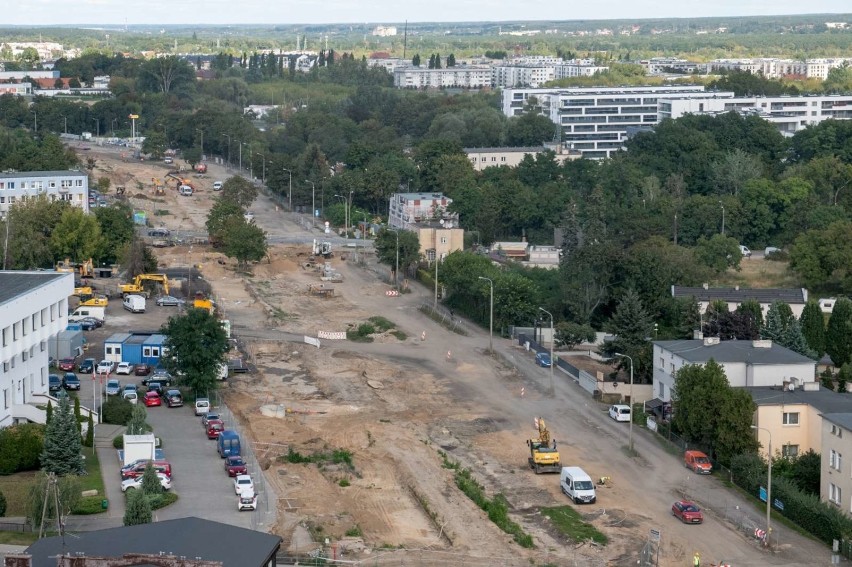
{"x":133,"y":116}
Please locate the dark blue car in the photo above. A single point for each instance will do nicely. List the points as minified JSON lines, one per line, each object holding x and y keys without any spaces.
{"x":543,"y":359}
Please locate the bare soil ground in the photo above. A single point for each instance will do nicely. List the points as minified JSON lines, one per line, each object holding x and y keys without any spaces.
{"x":395,"y":405}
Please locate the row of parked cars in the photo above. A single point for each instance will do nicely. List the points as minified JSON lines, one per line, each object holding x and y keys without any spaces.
{"x":229,"y":448}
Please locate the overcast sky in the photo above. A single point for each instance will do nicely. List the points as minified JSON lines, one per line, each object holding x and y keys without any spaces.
{"x":46,"y":12}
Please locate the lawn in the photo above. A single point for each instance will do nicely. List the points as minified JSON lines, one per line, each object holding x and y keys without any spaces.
{"x":16,"y":489}
{"x":93,"y":480}
{"x":760,"y":273}
{"x":568,"y":521}
{"x":17,"y":538}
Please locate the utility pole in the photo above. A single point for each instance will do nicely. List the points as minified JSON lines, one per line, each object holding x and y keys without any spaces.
{"x":290,"y":173}
{"x":630,"y":434}
{"x":552,"y":337}
{"x":491,"y":317}
{"x":313,"y":202}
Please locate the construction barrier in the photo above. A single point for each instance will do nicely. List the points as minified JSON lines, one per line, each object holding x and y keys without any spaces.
{"x":331,"y":335}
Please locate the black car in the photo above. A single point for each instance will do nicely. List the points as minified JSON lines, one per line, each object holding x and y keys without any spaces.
{"x":155,"y":387}
{"x":70,"y":381}
{"x":160,"y":376}
{"x":174,"y":399}
{"x":98,"y":323}
{"x":87,"y":366}
{"x":54,"y":383}
{"x":88,"y":325}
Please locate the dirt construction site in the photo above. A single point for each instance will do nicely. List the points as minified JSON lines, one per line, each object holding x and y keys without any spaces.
{"x":359,"y":439}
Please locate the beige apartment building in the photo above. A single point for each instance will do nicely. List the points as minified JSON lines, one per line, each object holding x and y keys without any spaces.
{"x":481,"y":158}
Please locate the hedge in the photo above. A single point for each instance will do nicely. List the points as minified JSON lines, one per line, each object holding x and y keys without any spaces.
{"x":20,"y":447}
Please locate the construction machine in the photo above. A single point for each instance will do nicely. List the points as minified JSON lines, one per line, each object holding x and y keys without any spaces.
{"x":83,"y":292}
{"x":202,"y":302}
{"x":83,"y":269}
{"x":322,"y":249}
{"x":543,"y":454}
{"x":136,"y":287}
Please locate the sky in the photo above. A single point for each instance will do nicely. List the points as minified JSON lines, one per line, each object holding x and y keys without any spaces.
{"x":160,"y":12}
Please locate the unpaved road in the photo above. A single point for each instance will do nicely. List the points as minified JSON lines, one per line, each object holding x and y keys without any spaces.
{"x":442,"y":394}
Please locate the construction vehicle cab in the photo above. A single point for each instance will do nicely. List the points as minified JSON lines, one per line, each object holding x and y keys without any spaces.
{"x":136,"y":287}
{"x":322,"y":249}
{"x":544,"y":457}
{"x":83,"y":269}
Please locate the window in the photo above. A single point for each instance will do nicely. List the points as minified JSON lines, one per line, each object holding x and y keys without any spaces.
{"x":6,"y":399}
{"x":835,"y":460}
{"x":34,"y":321}
{"x":836,"y":431}
{"x":6,"y":336}
{"x":53,"y":312}
{"x":146,"y":351}
{"x":671,"y":368}
{"x":662,"y":362}
{"x":24,"y":356}
{"x":24,"y":327}
{"x":108,"y":350}
{"x":833,"y":491}
{"x":790,"y":451}
{"x":443,"y":240}
{"x":791,"y":418}
{"x":155,"y":352}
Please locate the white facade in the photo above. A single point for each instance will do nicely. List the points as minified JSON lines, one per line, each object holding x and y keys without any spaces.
{"x":384,"y":31}
{"x":520,"y":75}
{"x":408,"y":209}
{"x":482,"y":158}
{"x":595,"y":120}
{"x":390,"y":64}
{"x":774,"y":68}
{"x":460,"y":77}
{"x":569,"y":70}
{"x":33,"y":310}
{"x":746,"y":363}
{"x":17,"y":89}
{"x":662,"y":65}
{"x":19,"y":75}
{"x":71,"y":186}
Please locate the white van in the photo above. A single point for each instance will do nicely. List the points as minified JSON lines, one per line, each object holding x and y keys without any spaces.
{"x":577,"y":485}
{"x":185,"y":190}
{"x":87,"y":311}
{"x":745,"y":251}
{"x":134,"y":303}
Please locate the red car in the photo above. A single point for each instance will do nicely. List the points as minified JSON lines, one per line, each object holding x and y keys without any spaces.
{"x":235,"y":465}
{"x":688,"y":512}
{"x":152,"y":399}
{"x":66,"y":364}
{"x":214,"y":428}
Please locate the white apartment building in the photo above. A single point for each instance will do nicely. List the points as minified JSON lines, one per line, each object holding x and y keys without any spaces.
{"x":568,"y":70}
{"x":595,"y":120}
{"x":384,"y":31}
{"x":33,"y":310}
{"x":663,"y":65}
{"x":71,"y":186}
{"x":408,"y":209}
{"x":390,"y":64}
{"x":19,"y":75}
{"x":17,"y":89}
{"x":449,"y":77}
{"x":774,"y":68}
{"x":522,"y":75}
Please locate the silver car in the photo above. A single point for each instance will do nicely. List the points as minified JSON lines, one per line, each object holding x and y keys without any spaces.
{"x":169,"y":301}
{"x":113,"y":387}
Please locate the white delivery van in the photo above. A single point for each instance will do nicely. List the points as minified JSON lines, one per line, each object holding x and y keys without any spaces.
{"x":577,"y":485}
{"x":87,"y":311}
{"x":185,"y":190}
{"x":134,"y":303}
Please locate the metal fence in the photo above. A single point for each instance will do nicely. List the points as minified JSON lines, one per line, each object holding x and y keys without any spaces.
{"x":265,"y":515}
{"x":445,"y":317}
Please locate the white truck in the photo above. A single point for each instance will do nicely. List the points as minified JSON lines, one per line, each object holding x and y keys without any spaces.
{"x":139,"y":447}
{"x":134,"y":303}
{"x":87,"y":311}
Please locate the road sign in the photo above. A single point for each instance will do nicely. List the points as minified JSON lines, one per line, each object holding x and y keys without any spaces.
{"x":778,"y":504}
{"x":762,"y":494}
{"x":391,"y":293}
{"x":655,"y":535}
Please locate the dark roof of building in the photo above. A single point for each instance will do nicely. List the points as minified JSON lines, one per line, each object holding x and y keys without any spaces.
{"x":696,"y":351}
{"x":37,"y":174}
{"x":189,"y":537}
{"x":844,"y":419}
{"x":738,"y":295}
{"x":824,"y":400}
{"x":14,"y":283}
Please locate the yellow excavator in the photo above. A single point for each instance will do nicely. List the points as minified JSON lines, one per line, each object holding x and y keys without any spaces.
{"x":136,"y":287}
{"x":543,"y":454}
{"x":84,"y":269}
{"x":88,"y":298}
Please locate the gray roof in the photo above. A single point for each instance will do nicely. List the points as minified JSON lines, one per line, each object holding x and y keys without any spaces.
{"x":508,"y":149}
{"x":36,"y":174}
{"x":14,"y":283}
{"x":696,"y":351}
{"x":824,"y":400}
{"x":189,"y":537}
{"x":844,"y":419}
{"x":734,"y":295}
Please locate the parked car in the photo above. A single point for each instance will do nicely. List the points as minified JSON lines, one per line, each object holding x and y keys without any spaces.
{"x":87,"y":366}
{"x":124,"y":368}
{"x":214,"y":428}
{"x":235,"y":466}
{"x":136,"y":482}
{"x":543,"y":359}
{"x":687,"y":512}
{"x":169,"y":301}
{"x":697,"y":462}
{"x":620,"y":412}
{"x":247,"y":501}
{"x":105,"y":367}
{"x":137,"y":468}
{"x":130,"y":388}
{"x":160,"y":375}
{"x":202,"y":406}
{"x":243,"y":483}
{"x":155,"y":387}
{"x":159,"y":232}
{"x":217,"y":186}
{"x":70,"y":381}
{"x":54,"y":383}
{"x":174,"y":399}
{"x":142,"y":369}
{"x":745,"y":251}
{"x":67,"y":364}
{"x":209,"y":416}
{"x":152,"y":399}
{"x":94,"y":320}
{"x":113,"y":388}
{"x":87,"y":325}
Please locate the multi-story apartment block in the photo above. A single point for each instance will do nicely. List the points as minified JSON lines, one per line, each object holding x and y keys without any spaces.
{"x":522,"y":75}
{"x":568,"y":70}
{"x":595,"y":120}
{"x":20,"y":75}
{"x":512,"y":156}
{"x":773,"y":68}
{"x":835,"y":477}
{"x":33,"y":310}
{"x":426,"y":214}
{"x":17,"y":89}
{"x":71,"y":186}
{"x":459,"y":77}
{"x":662,"y":65}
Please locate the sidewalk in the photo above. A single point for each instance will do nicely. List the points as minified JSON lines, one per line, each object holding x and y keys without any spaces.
{"x":114,"y":516}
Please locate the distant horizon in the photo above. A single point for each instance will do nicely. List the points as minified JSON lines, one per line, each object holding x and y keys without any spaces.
{"x":118,"y":13}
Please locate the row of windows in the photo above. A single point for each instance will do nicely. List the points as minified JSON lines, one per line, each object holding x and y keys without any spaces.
{"x":37,"y":320}
{"x":25,"y":355}
{"x":53,"y":197}
{"x":147,"y":351}
{"x":493,"y":158}
{"x":38,"y":185}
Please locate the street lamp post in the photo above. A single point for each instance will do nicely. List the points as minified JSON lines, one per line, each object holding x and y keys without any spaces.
{"x":630,"y":429}
{"x":313,"y":202}
{"x":491,"y":317}
{"x":98,"y":125}
{"x":435,"y":307}
{"x":345,"y":216}
{"x":229,"y":148}
{"x":263,"y":160}
{"x":396,"y":272}
{"x":723,"y":217}
{"x":290,"y":173}
{"x":202,"y":141}
{"x":552,"y":337}
{"x":65,"y":119}
{"x":241,"y":156}
{"x":35,"y":119}
{"x":111,"y":125}
{"x":768,"y":482}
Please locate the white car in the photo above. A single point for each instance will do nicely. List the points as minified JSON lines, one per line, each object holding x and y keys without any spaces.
{"x":134,"y":483}
{"x":619,"y":412}
{"x":247,"y":500}
{"x":131,"y":396}
{"x":124,"y":368}
{"x":217,"y":186}
{"x":105,"y":367}
{"x":243,"y":483}
{"x":202,"y":406}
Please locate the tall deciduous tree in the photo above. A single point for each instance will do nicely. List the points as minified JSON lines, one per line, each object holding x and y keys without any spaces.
{"x":196,"y":345}
{"x":240,"y":191}
{"x":62,"y":443}
{"x":813,"y":327}
{"x":386,"y":248}
{"x":77,"y":235}
{"x":244,"y":241}
{"x":838,"y":334}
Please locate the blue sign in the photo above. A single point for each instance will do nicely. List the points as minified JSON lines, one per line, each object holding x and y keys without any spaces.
{"x":762,"y":494}
{"x":778,"y":504}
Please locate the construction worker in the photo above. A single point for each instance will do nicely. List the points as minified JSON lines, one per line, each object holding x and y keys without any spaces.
{"x":696,"y":560}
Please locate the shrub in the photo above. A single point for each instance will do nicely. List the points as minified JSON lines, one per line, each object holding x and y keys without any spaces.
{"x":748,"y":471}
{"x":20,"y":447}
{"x":2,"y":505}
{"x":118,"y":442}
{"x":89,"y":441}
{"x":821,"y":519}
{"x":117,"y":411}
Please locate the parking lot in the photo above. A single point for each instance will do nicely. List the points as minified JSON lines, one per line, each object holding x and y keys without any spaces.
{"x":199,"y":477}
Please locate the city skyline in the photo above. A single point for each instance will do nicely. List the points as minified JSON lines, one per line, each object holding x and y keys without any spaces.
{"x":222,"y":12}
